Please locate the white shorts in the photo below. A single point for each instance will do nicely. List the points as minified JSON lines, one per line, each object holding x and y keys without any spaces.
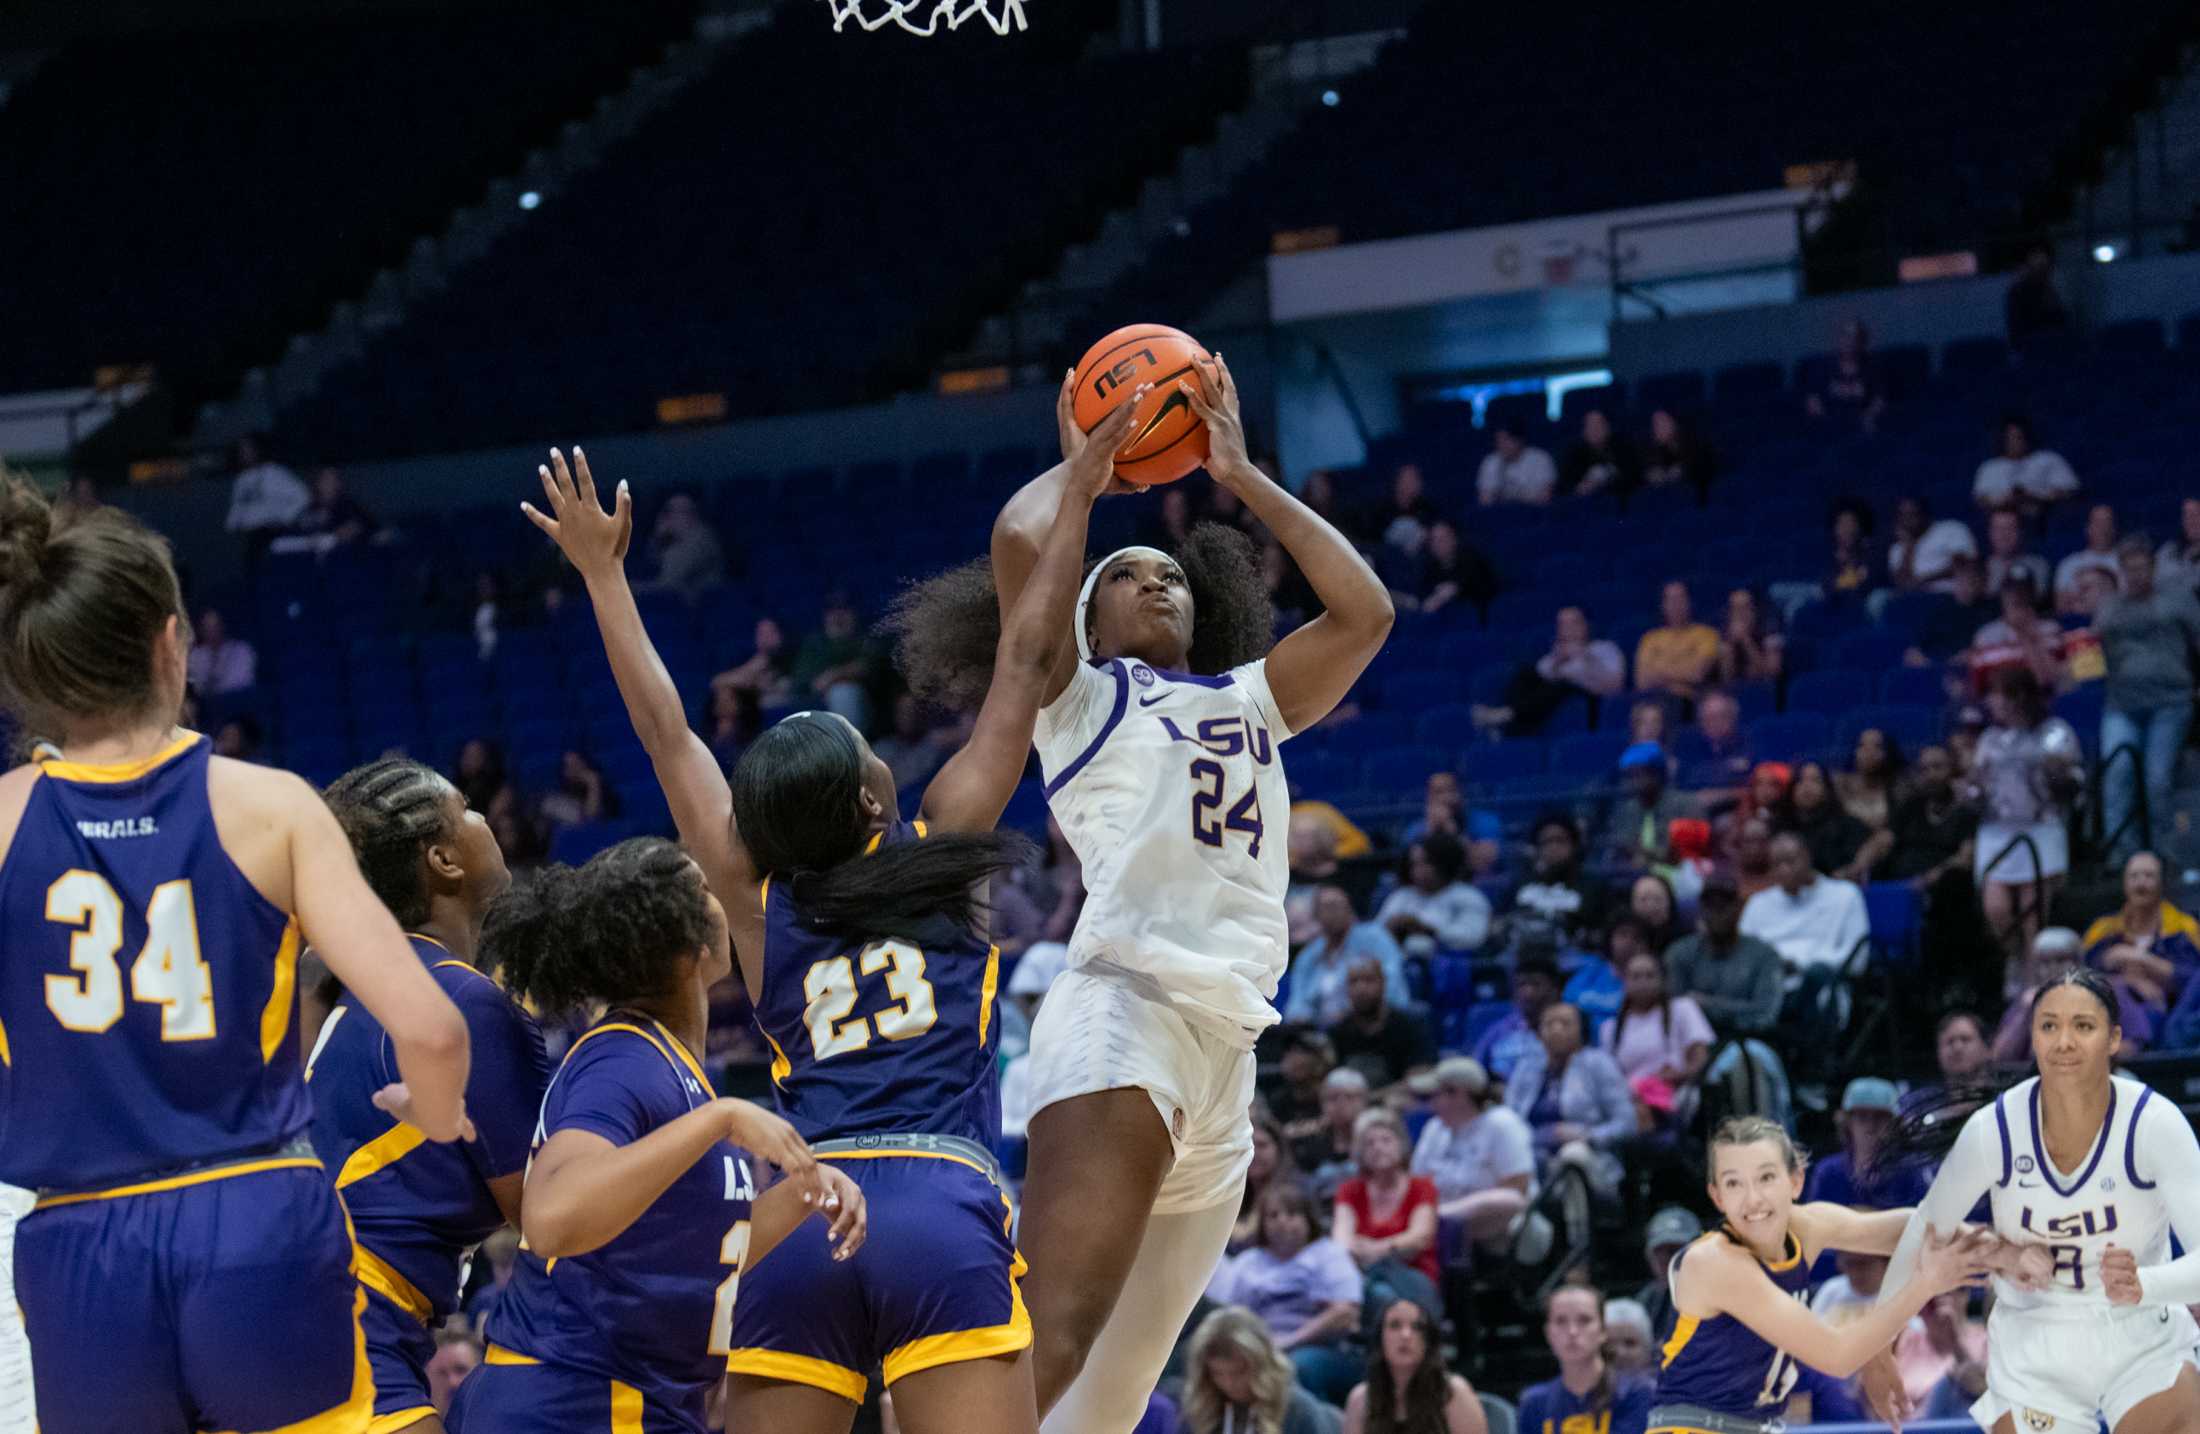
{"x":2061,"y":1375}
{"x":16,"y":1414}
{"x":2049,"y":839}
{"x":1096,"y":1031}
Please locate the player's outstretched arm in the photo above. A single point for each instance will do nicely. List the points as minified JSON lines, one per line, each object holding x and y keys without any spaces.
{"x":354,"y":932}
{"x":972,"y":789}
{"x":1969,"y":1171}
{"x":1311,"y":670}
{"x":695,"y":788}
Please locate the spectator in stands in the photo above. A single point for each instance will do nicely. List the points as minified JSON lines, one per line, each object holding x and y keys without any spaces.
{"x":1446,"y":571}
{"x":1486,"y":866}
{"x":1656,"y":1033}
{"x":1717,"y":750}
{"x":1752,"y":847}
{"x":1385,"y":1215}
{"x":1641,"y":820}
{"x":1274,"y":1167}
{"x":1646,"y":722}
{"x":238,"y":739}
{"x":1560,"y":896}
{"x":835,"y":663}
{"x":2028,"y":768}
{"x":1169,"y":525}
{"x":334,"y":514}
{"x":1874,"y":781}
{"x":1751,"y":646}
{"x":2147,"y":947}
{"x":1325,"y":1154}
{"x":1650,"y":901}
{"x":1434,"y":908}
{"x":1678,"y":656}
{"x":1314,"y":864}
{"x":2006,"y":557}
{"x":1515,"y":471}
{"x":1039,"y":902}
{"x":908,"y":749}
{"x":1838,"y":842}
{"x":458,"y":1353}
{"x":2054,"y":951}
{"x":1443,"y":809}
{"x":1600,"y":460}
{"x":1588,"y":1393}
{"x":723,"y":728}
{"x":582,"y":794}
{"x":1576,"y":1102}
{"x":1219,"y":505}
{"x":2032,"y":306}
{"x":1305,"y":1061}
{"x":2020,"y":640}
{"x":2098,"y":556}
{"x":1675,"y":455}
{"x":1408,"y":1385}
{"x":1476,"y":1150}
{"x":1319,"y":974}
{"x":1962,"y":1055}
{"x":2148,"y":635}
{"x":1595,"y":985}
{"x":1853,"y":392}
{"x":1924,"y":550}
{"x":1628,"y":1339}
{"x":1301,"y":1285}
{"x":1382,"y":1041}
{"x":479,"y":773}
{"x":1853,"y":567}
{"x":1933,"y":827}
{"x":1534,"y":987}
{"x":1406,"y":521}
{"x":1289,"y":593}
{"x":1320,"y":494}
{"x":1945,"y":631}
{"x":1236,"y":1379}
{"x":688,"y":553}
{"x":1735,"y":980}
{"x":2022,"y":477}
{"x":1577,"y":666}
{"x":1853,"y":1174}
{"x":218,"y":663}
{"x":1814,"y":921}
{"x":2177,"y":564}
{"x":1669,"y":1231}
{"x":265,"y":497}
{"x":765,"y":682}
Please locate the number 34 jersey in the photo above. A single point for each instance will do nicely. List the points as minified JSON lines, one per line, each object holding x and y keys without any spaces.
{"x":894,"y":1036}
{"x":1170,"y":788}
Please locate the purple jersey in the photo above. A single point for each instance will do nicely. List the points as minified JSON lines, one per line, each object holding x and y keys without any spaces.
{"x":652,"y":1309}
{"x":1552,"y":1408}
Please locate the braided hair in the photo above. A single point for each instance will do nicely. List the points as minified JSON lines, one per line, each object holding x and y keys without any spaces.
{"x":392,"y":810}
{"x":614,"y":931}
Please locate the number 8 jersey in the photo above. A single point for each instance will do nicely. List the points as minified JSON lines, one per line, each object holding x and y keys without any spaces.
{"x":1170,"y":789}
{"x":146,"y":987}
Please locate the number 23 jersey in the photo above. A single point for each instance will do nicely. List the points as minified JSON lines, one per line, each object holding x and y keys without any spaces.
{"x":1170,"y":789}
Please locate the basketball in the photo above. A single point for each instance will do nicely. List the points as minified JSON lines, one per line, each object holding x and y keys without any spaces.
{"x":1167,"y":439}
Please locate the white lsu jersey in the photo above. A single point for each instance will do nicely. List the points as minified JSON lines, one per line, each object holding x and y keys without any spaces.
{"x":2118,"y":1196}
{"x":1170,"y":789}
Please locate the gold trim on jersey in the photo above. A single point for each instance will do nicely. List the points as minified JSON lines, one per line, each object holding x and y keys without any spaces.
{"x":189,"y":1177}
{"x":988,"y":990}
{"x":378,"y":1275}
{"x":397,"y":1419}
{"x":626,"y":1409}
{"x":781,"y":1066}
{"x":671,"y":1047}
{"x":498,"y":1354}
{"x":358,"y":1407}
{"x":787,"y":1368}
{"x":385,"y":1150}
{"x":960,"y":1346}
{"x":1684,"y":1330}
{"x":275,"y":1017}
{"x":7,"y":1057}
{"x":115,"y":771}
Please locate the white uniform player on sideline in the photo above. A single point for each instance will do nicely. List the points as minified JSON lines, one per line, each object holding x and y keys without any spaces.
{"x":1161,"y":751}
{"x":18,"y":1415}
{"x":2095,"y":1170}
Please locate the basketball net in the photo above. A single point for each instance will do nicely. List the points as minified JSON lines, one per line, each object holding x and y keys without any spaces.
{"x":901,"y":12}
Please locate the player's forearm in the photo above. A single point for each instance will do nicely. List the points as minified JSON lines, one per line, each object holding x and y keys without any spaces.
{"x":591,"y":1197}
{"x":1857,"y":1343}
{"x":1350,"y":592}
{"x":652,"y":698}
{"x":1029,"y":512}
{"x":1032,"y":640}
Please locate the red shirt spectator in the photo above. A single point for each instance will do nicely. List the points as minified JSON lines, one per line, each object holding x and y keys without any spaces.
{"x":1379,"y":1209}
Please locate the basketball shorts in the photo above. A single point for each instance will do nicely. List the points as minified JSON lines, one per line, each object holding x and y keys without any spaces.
{"x":1096,"y":1031}
{"x":17,"y":1414}
{"x":512,"y":1394}
{"x":399,"y":1347}
{"x":2062,"y":1374}
{"x":229,"y":1303}
{"x":935,"y":1283}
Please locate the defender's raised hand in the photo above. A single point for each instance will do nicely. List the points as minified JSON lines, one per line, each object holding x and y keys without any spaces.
{"x":591,"y":539}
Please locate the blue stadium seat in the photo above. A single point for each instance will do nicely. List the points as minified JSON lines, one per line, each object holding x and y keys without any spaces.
{"x":1893,"y":909}
{"x":1829,"y":692}
{"x":575,"y":844}
{"x":1370,"y":732}
{"x":1402,"y":771}
{"x":1872,"y":648}
{"x":1591,"y":754}
{"x":1755,"y":699}
{"x":1970,"y":358}
{"x":1913,"y":686}
{"x":1502,"y":761}
{"x":1326,"y":774}
{"x":1790,"y":738}
{"x":1422,"y":688}
{"x":1445,"y":725}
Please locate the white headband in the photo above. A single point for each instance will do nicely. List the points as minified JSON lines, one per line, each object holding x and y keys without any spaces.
{"x":1092,"y":580}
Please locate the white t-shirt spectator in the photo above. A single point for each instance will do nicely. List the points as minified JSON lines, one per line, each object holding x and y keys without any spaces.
{"x":1937,"y":549}
{"x":1644,"y":1043}
{"x":1493,"y":1146}
{"x":1288,"y":1294}
{"x":2076,"y":566}
{"x":1530,"y":478}
{"x":1820,"y":926}
{"x":267,"y":495}
{"x":1599,"y":668}
{"x":2041,"y":474}
{"x":1458,"y":914}
{"x":230,"y":666}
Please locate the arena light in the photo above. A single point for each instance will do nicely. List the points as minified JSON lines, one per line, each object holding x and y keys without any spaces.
{"x":530,"y":199}
{"x":1329,"y":98}
{"x":2104,"y":253}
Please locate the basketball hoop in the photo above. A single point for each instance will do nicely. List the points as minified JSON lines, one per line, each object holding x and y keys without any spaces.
{"x":902,"y":13}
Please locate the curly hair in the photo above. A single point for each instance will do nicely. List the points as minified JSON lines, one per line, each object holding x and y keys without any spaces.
{"x":946,"y":628}
{"x":615,"y":930}
{"x":391,"y":810}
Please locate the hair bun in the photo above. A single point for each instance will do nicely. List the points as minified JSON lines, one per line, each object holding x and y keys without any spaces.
{"x":26,"y":526}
